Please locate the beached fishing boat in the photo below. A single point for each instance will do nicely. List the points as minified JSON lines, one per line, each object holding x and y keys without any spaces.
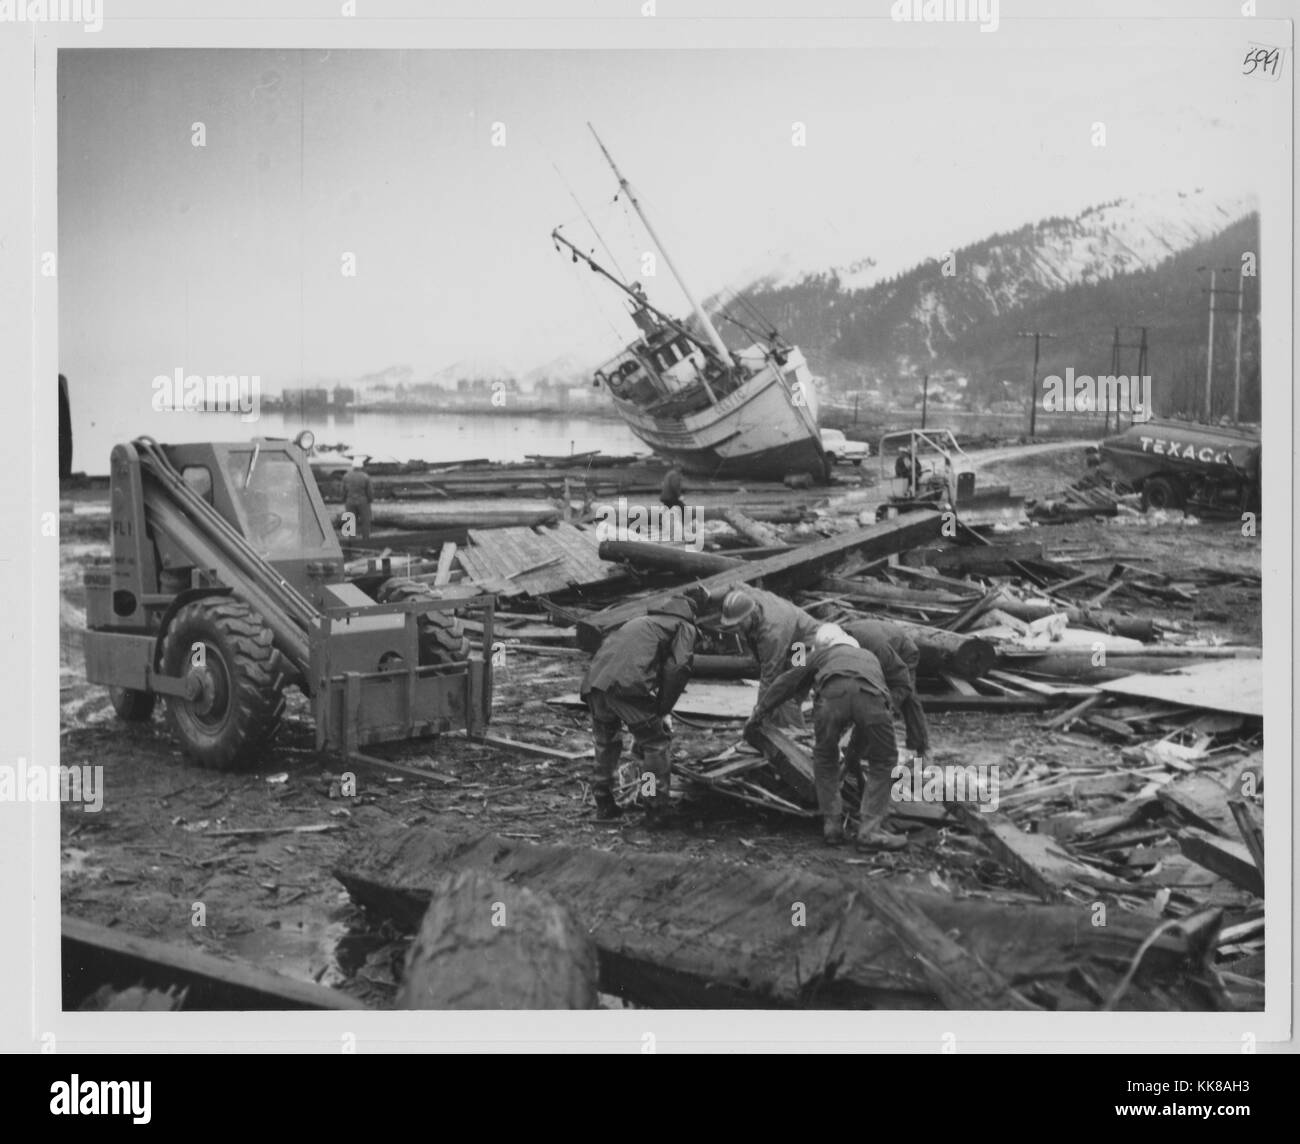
{"x":679,"y":388}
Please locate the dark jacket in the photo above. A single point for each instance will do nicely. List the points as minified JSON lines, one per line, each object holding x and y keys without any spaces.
{"x":780,"y":626}
{"x":897,"y":653}
{"x":822,"y":666}
{"x":647,"y":658}
{"x":356,"y":487}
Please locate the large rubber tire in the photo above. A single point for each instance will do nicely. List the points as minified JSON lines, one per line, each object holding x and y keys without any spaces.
{"x":132,"y":706}
{"x":239,"y":710}
{"x":442,"y":637}
{"x":1160,"y":493}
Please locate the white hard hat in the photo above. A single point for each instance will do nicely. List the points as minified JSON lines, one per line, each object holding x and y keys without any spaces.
{"x":832,"y":635}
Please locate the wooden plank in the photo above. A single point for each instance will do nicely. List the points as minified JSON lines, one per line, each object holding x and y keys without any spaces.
{"x":1224,"y":857}
{"x":1251,"y":833}
{"x":1202,"y":798}
{"x":1037,"y":859}
{"x":445,"y":557}
{"x":1235,"y":685}
{"x":790,"y":760}
{"x":800,"y":566}
{"x":94,"y":955}
{"x":709,"y":700}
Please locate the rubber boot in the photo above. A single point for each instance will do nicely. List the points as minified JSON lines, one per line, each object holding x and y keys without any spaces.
{"x":872,"y":834}
{"x":602,"y":783}
{"x":659,"y":814}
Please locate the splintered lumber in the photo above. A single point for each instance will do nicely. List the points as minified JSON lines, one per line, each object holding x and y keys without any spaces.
{"x":880,"y":593}
{"x":798,"y":567}
{"x":94,"y":956}
{"x":486,"y":944}
{"x":1235,"y":685}
{"x":790,"y":761}
{"x":1100,"y":619}
{"x":733,"y":700}
{"x":1224,"y":857}
{"x":675,"y":931}
{"x":1251,"y":833}
{"x":496,"y":512}
{"x":959,"y":978}
{"x":761,"y":534}
{"x":1203,"y":798}
{"x":1038,"y":859}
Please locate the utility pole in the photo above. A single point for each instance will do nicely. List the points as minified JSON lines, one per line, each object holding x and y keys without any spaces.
{"x":1116,"y":364}
{"x":1033,"y":381}
{"x":925,"y":398}
{"x":1209,"y":348}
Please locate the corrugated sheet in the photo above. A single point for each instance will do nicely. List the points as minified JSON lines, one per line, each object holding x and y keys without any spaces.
{"x":561,"y":556}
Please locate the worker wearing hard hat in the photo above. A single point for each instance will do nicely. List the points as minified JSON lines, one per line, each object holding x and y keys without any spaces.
{"x":849,"y":690}
{"x":778,"y":634}
{"x":635,"y":679}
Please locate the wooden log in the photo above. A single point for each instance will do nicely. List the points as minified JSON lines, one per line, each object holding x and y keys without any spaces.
{"x":983,"y":560}
{"x":724,"y":667}
{"x":786,"y":570}
{"x":675,"y":931}
{"x":1100,"y":619}
{"x":954,"y":653}
{"x":666,"y":558}
{"x":486,"y":944}
{"x":761,"y":534}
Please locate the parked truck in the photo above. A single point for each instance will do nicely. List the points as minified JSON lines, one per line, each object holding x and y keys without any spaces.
{"x":1183,"y":465}
{"x":226,"y":586}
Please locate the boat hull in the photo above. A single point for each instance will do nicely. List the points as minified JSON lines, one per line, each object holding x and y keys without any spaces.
{"x":757,"y":432}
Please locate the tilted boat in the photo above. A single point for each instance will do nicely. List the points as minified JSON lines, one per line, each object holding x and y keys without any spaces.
{"x":687,"y":396}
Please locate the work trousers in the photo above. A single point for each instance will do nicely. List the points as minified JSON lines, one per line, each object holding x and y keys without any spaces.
{"x":609,"y":715}
{"x":845,"y":702}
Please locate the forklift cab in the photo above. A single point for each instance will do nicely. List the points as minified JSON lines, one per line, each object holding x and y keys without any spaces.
{"x":264,"y":489}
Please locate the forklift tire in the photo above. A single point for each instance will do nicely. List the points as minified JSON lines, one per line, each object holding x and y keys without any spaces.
{"x":442,"y":638}
{"x":132,"y":706}
{"x":240,"y":705}
{"x":1159,"y":493}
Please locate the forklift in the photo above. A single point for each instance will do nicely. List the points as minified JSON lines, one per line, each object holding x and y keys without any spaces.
{"x":226,"y":586}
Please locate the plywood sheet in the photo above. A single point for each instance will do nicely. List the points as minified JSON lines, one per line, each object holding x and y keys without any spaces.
{"x":1235,"y":685}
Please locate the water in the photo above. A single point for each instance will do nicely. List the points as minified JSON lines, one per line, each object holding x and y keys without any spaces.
{"x":437,"y":437}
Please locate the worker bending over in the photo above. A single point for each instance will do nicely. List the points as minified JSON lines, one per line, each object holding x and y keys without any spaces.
{"x":778,"y":634}
{"x":634,"y":680}
{"x":891,"y":644}
{"x":849,"y":690}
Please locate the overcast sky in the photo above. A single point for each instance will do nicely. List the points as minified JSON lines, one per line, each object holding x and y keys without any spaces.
{"x":227,"y":258}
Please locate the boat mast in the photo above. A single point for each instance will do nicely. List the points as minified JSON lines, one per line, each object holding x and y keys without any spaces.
{"x":718,"y":346}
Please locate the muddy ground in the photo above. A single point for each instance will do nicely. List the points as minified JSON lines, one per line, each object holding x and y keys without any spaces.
{"x":153,"y":851}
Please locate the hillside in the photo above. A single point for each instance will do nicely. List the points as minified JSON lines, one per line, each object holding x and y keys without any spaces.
{"x":1130,"y":262}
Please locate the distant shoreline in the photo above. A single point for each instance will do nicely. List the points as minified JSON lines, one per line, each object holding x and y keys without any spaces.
{"x":590,"y":413}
